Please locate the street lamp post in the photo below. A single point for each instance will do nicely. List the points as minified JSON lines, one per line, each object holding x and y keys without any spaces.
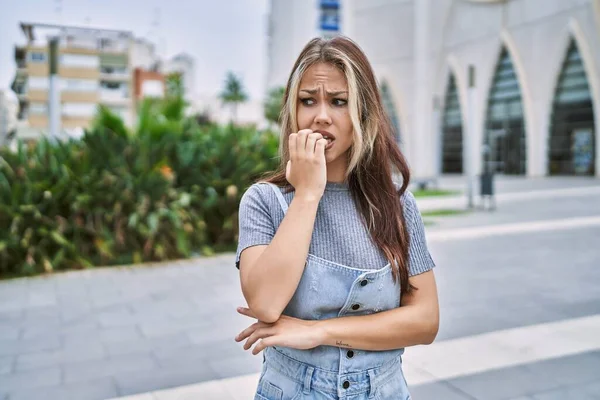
{"x":469,"y":142}
{"x":54,"y":89}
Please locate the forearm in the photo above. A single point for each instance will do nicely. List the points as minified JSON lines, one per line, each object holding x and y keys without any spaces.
{"x":393,"y":329}
{"x":271,"y":282}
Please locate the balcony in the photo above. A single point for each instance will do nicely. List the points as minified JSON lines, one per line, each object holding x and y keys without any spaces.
{"x":114,"y":73}
{"x":114,"y":96}
{"x":114,"y":93}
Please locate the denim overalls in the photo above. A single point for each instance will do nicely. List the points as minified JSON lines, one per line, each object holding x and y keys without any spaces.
{"x":329,"y":290}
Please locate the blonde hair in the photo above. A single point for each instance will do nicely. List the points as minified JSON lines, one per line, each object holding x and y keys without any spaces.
{"x":373,"y":154}
{"x":364,"y":132}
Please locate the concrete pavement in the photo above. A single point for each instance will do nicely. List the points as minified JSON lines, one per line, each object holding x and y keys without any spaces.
{"x":114,"y":332}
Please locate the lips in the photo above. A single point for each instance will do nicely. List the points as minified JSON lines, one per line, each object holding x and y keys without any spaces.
{"x":327,"y":135}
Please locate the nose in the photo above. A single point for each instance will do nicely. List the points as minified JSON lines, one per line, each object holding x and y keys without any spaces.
{"x":323,"y":117}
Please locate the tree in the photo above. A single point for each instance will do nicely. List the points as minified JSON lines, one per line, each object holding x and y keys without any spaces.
{"x":233,"y":94}
{"x":273,"y":104}
{"x":174,"y":85}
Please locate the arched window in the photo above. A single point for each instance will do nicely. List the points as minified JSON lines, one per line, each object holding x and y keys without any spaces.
{"x":571,"y":144}
{"x":388,"y":104}
{"x":452,"y":136}
{"x":505,"y":140}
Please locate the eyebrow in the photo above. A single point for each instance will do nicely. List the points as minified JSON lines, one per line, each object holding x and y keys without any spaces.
{"x":332,"y":94}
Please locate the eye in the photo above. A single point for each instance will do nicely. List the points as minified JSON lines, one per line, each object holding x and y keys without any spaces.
{"x":339,"y":102}
{"x":307,"y":101}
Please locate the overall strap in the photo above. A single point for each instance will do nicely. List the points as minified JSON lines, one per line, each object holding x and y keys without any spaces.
{"x":280,"y":198}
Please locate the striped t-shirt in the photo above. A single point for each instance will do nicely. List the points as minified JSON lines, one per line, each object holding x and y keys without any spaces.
{"x":339,"y":235}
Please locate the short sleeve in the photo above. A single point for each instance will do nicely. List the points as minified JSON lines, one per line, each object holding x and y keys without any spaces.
{"x":255,"y":221}
{"x":420,"y":260}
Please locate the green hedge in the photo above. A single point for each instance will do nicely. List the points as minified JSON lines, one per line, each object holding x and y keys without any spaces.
{"x":167,"y":190}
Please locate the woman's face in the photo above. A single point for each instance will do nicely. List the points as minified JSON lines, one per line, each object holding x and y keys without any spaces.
{"x":323,"y":107}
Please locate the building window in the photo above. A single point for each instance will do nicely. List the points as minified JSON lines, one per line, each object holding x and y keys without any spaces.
{"x":38,"y":109}
{"x":114,"y":90}
{"x":84,"y":110}
{"x":108,"y":69}
{"x":505,"y":141}
{"x":79,"y":85}
{"x":452,"y":139}
{"x":390,"y":108}
{"x":153,"y":88}
{"x":571,"y":145}
{"x":37,"y":57}
{"x":79,"y":60}
{"x":38,"y":83}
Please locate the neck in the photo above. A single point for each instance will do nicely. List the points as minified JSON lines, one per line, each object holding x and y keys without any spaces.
{"x":336,"y":170}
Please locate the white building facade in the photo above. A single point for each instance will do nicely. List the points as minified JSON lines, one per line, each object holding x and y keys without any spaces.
{"x":291,"y":24}
{"x":9,"y":107}
{"x":532,"y":107}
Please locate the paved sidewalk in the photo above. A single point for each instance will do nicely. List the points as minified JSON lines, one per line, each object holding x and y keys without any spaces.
{"x":110,"y":332}
{"x":427,"y":368}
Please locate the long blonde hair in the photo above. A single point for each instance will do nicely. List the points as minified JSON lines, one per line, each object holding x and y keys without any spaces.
{"x":374,"y":154}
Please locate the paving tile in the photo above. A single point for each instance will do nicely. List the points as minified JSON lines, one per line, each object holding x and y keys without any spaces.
{"x":67,"y":355}
{"x":9,"y":333}
{"x":143,"y":396}
{"x":571,"y":370}
{"x":578,"y":392}
{"x":141,"y":382}
{"x":205,"y":391}
{"x":503,"y":384}
{"x":89,"y":370}
{"x":242,"y":364}
{"x":7,"y":316}
{"x":103,"y":335}
{"x":166,"y":327}
{"x":437,"y":390}
{"x":14,"y":347}
{"x":214,"y":350}
{"x":30,"y":379}
{"x":166,"y":343}
{"x":526,"y":380}
{"x":93,"y":390}
{"x":6,"y":364}
{"x":35,"y":331}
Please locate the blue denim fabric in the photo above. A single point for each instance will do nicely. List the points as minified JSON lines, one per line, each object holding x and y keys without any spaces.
{"x":330,"y":290}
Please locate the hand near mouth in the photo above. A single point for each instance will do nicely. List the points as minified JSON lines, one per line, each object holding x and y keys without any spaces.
{"x":306,"y":170}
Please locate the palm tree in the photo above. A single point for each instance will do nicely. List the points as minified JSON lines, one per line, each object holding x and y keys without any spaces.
{"x":273,"y":104}
{"x":233,"y":93}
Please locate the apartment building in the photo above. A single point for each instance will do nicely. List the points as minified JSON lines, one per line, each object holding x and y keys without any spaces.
{"x":93,"y":69}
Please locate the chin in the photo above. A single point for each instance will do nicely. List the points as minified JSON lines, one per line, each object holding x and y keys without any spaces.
{"x":330,"y":157}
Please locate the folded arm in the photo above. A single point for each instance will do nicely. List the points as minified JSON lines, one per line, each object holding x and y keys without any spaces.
{"x":415,"y":322}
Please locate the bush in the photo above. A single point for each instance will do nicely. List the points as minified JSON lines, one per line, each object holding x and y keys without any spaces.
{"x":168,"y":190}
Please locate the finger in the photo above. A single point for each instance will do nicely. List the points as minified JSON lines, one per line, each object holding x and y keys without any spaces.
{"x":248,"y":331}
{"x":288,"y":169}
{"x":311,"y":141}
{"x":292,"y":141}
{"x":320,"y":147}
{"x":266,"y":342}
{"x":258,"y":334}
{"x":301,"y":141}
{"x":247,"y":312}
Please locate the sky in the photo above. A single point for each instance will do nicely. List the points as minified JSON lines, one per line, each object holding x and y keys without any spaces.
{"x":222,"y":35}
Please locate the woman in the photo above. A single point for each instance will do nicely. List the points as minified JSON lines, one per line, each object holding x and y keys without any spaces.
{"x":332,"y":254}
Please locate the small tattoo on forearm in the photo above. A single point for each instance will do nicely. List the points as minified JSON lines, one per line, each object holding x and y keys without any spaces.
{"x":342,"y":344}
